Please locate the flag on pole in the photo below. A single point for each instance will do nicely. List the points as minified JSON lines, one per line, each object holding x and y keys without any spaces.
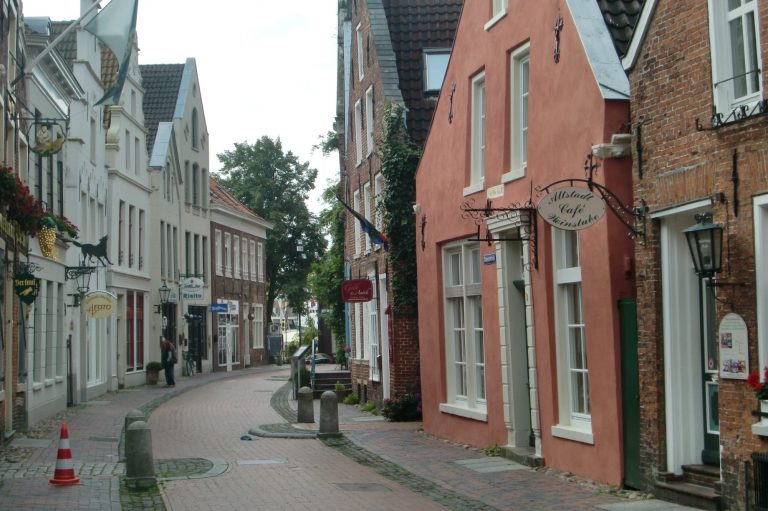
{"x":376,"y":237}
{"x":114,"y":25}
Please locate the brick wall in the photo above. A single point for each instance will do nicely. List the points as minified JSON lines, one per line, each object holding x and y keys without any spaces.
{"x":671,"y":87}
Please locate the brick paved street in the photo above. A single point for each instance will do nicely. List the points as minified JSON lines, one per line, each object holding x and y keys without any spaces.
{"x":204,"y":464}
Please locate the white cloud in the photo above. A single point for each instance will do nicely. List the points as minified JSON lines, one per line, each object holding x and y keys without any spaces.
{"x":265,"y":67}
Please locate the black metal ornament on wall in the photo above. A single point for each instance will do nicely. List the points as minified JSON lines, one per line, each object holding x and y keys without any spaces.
{"x":557,"y":29}
{"x":737,"y":115}
{"x":524,"y":213}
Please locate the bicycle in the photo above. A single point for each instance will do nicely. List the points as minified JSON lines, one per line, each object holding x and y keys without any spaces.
{"x":189,"y":362}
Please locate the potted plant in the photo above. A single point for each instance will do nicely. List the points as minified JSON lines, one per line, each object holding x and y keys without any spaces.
{"x":153,"y":371}
{"x":341,"y":391}
{"x":761,"y":392}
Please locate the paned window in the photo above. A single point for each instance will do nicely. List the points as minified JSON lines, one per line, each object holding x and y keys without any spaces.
{"x":356,"y":206}
{"x":572,"y":368}
{"x":244,"y":258}
{"x":253,"y":259}
{"x":478,"y":131}
{"x":369,"y":121}
{"x":360,"y":54}
{"x":736,"y":61}
{"x":358,"y":132}
{"x":518,"y":79}
{"x":378,"y":183}
{"x":227,"y":254}
{"x":258,"y":326}
{"x":236,"y":255}
{"x":367,"y":212}
{"x":219,"y":256}
{"x":464,"y":342}
{"x":260,"y":260}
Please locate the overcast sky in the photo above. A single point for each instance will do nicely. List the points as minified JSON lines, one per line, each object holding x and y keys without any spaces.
{"x":266,"y":67}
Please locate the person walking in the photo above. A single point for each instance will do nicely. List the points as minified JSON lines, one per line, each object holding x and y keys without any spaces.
{"x":169,"y":360}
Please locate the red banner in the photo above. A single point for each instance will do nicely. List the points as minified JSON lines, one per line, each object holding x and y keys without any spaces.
{"x":356,"y":290}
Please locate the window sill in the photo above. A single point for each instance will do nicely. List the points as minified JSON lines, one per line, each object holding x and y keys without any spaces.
{"x":760,"y":429}
{"x":59,"y":379}
{"x":48,"y":382}
{"x":576,"y":434}
{"x":474,"y":188}
{"x":513,"y":175}
{"x":36,"y":386}
{"x":491,"y":22}
{"x":461,"y":411}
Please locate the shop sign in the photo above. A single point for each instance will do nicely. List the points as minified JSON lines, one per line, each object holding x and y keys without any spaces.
{"x":9,"y":232}
{"x":571,"y":208}
{"x":734,"y":349}
{"x":356,"y":290}
{"x":221,"y":308}
{"x":99,"y":304}
{"x":26,"y":287}
{"x":192,"y":288}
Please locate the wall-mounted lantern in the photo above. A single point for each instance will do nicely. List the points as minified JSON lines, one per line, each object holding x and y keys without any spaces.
{"x":165,"y":294}
{"x":705,"y":241}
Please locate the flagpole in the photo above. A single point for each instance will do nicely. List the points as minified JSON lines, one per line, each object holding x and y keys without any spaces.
{"x":48,"y":49}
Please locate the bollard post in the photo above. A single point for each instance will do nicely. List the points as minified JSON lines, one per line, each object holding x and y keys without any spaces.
{"x":306,"y":405}
{"x":329,"y":415}
{"x":139,"y":465}
{"x":133,"y":416}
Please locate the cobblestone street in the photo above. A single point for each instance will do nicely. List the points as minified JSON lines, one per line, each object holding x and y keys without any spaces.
{"x":231,"y":440}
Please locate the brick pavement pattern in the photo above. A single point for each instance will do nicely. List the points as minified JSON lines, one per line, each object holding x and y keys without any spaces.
{"x":206,"y":459}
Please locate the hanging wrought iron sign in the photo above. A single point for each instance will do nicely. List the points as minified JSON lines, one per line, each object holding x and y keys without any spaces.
{"x":47,"y":135}
{"x":357,"y":290}
{"x":26,"y":287}
{"x":99,"y":304}
{"x":571,"y":208}
{"x":633,"y":218}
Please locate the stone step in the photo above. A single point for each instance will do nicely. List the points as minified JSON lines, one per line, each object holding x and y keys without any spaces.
{"x":688,"y":494}
{"x":704,"y":475}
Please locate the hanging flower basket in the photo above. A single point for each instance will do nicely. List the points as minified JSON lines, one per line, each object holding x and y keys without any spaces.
{"x":7,"y":186}
{"x":25,"y":210}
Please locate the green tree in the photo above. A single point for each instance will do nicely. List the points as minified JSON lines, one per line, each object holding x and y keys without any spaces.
{"x":275,"y":185}
{"x":328,"y":272}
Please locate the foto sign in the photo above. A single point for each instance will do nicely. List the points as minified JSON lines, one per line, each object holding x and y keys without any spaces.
{"x":356,"y":290}
{"x":571,"y":209}
{"x":99,"y":304}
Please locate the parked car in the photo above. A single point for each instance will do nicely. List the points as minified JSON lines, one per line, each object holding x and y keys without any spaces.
{"x":320,"y":358}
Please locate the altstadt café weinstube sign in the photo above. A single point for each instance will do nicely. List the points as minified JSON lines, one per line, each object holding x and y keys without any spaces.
{"x":571,"y":208}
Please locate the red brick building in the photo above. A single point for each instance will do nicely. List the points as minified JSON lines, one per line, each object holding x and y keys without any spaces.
{"x":391,"y":52}
{"x":521,"y":311}
{"x":698,"y":105}
{"x":238,"y":288}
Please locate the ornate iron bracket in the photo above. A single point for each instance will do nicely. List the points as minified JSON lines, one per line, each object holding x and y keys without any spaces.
{"x":633,"y":218}
{"x":557,"y":29}
{"x":72,"y":272}
{"x":526,"y":212}
{"x":20,"y":268}
{"x":423,"y":227}
{"x":450,"y":98}
{"x":737,"y":115}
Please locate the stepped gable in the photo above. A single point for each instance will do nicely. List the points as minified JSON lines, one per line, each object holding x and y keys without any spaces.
{"x":161,"y":84}
{"x":621,"y":17}
{"x":413,"y":26}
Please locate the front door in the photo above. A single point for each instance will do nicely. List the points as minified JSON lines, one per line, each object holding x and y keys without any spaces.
{"x":710,"y":455}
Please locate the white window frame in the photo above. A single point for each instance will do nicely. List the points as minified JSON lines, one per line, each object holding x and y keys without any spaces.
{"x":227,"y":254}
{"x":760,"y":206}
{"x":371,"y":335}
{"x":435,"y":56}
{"x":498,"y":11}
{"x":519,"y":69}
{"x":477,"y":135}
{"x":369,"y":114}
{"x":722,"y":56}
{"x":219,"y":253}
{"x":236,"y":257}
{"x":359,"y":355}
{"x":360,"y":54}
{"x":358,"y":132}
{"x":367,"y":212}
{"x":252,"y":244}
{"x":258,"y":326}
{"x":260,"y":260}
{"x":244,"y":258}
{"x":378,"y":191}
{"x":466,"y":389}
{"x":356,"y":207}
{"x":573,"y":424}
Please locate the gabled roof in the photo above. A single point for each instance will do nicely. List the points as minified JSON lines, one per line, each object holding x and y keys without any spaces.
{"x":219,"y":195}
{"x":401,"y":30}
{"x":622,"y":18}
{"x":161,"y":84}
{"x":67,"y":47}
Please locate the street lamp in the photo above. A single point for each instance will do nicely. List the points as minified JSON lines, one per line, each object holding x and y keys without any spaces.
{"x":705,"y":241}
{"x":165,"y":294}
{"x":82,"y":275}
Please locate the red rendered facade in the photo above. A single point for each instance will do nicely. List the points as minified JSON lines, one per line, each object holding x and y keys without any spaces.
{"x":524,"y":380}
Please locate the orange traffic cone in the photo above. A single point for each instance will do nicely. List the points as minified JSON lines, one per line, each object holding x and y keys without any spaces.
{"x":64,"y":473}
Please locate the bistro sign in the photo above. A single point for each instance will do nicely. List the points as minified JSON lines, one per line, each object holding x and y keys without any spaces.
{"x":356,"y":290}
{"x":26,"y":287}
{"x":192,"y":288}
{"x":571,"y":208}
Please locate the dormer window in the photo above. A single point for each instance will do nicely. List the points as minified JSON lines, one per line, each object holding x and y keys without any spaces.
{"x":435,"y":66}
